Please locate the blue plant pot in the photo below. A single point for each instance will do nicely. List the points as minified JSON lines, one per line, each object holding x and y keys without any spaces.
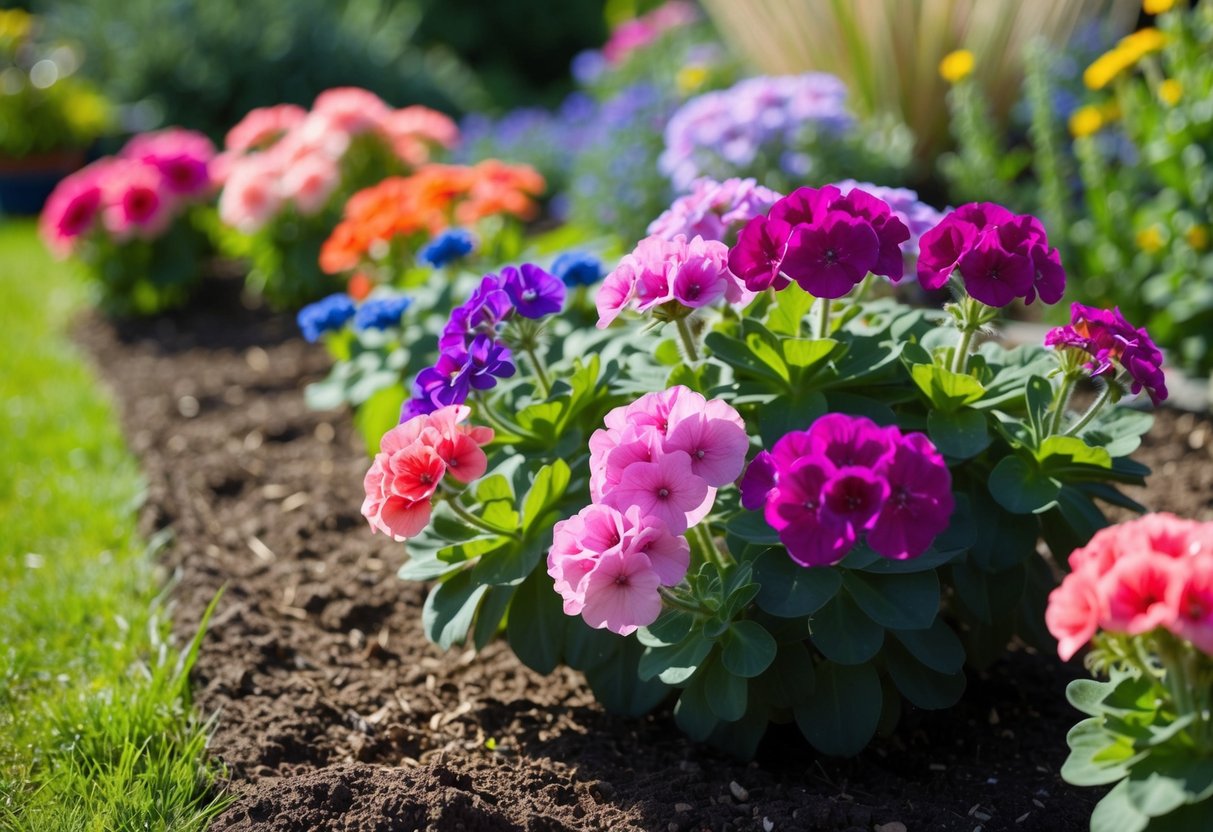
{"x":26,"y":183}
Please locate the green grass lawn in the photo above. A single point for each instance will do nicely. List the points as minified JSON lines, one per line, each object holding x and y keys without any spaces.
{"x":96,"y":730}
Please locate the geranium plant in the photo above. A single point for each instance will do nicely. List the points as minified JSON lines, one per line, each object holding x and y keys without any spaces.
{"x":1141,"y":593}
{"x":778,"y":499}
{"x":286,"y":173}
{"x":135,"y":220}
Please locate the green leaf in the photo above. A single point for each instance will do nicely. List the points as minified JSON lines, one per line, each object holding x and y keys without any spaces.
{"x":379,"y":414}
{"x":946,"y":390}
{"x":840,"y":716}
{"x":616,"y":687}
{"x":537,"y":623}
{"x":1088,"y":694}
{"x":675,"y":664}
{"x":789,"y":412}
{"x":488,"y":617}
{"x":788,"y":311}
{"x":1021,"y":488}
{"x":545,"y":493}
{"x":726,"y":693}
{"x":925,"y":687}
{"x":510,"y":564}
{"x":494,"y":487}
{"x":844,"y":633}
{"x":1006,"y":539}
{"x":767,"y":350}
{"x":899,"y":602}
{"x":1116,"y":814}
{"x":741,"y":358}
{"x":1163,"y":781}
{"x":790,"y":678}
{"x":807,"y":355}
{"x":1097,"y":757}
{"x":1060,"y":454}
{"x":449,"y":608}
{"x":741,"y":737}
{"x":748,"y":649}
{"x":936,"y":646}
{"x":791,"y":590}
{"x":693,"y":713}
{"x":752,"y":527}
{"x":671,"y":627}
{"x":960,"y":434}
{"x":1038,"y":393}
{"x":585,"y":647}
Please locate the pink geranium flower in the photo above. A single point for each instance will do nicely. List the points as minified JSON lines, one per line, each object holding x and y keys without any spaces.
{"x":621,"y":593}
{"x":252,"y":195}
{"x":71,"y":211}
{"x":136,"y":204}
{"x":1074,"y":611}
{"x":1137,"y":589}
{"x":309,"y":182}
{"x":666,"y":489}
{"x":351,"y":110}
{"x":263,"y":126}
{"x":1191,"y":602}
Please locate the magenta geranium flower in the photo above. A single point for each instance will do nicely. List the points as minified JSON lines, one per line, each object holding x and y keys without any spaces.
{"x":826,"y":487}
{"x":758,"y":254}
{"x":827,"y":259}
{"x":1109,"y":340}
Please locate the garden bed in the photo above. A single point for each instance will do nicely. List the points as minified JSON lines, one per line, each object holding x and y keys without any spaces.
{"x":334,"y":712}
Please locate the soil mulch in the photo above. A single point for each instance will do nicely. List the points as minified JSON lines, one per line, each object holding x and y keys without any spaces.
{"x":336,"y":714}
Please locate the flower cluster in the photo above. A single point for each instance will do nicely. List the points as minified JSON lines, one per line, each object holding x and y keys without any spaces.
{"x":379,"y":311}
{"x":677,"y":274}
{"x":639,"y":32}
{"x":917,"y":216}
{"x":654,"y":472}
{"x":824,"y":240}
{"x":823,"y":487}
{"x":471,"y":354}
{"x":1000,"y":256}
{"x":413,"y":458}
{"x":714,"y":210}
{"x":1155,"y":571}
{"x":1109,"y":341}
{"x":447,"y":247}
{"x":287,"y":157}
{"x":424,"y":204}
{"x":725,"y":131}
{"x":577,"y":268}
{"x":136,"y":194}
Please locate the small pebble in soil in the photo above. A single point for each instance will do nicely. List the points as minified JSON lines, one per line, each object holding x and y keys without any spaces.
{"x":738,"y":792}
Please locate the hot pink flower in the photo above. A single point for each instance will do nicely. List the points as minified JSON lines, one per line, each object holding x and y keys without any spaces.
{"x":181,"y":156}
{"x":135,"y":202}
{"x":666,"y":489}
{"x":70,"y":212}
{"x":1136,"y":589}
{"x":1191,"y":602}
{"x":919,"y":504}
{"x":1074,"y":611}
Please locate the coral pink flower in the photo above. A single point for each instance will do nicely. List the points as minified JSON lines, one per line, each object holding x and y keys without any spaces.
{"x":1191,"y":602}
{"x":263,"y":126}
{"x":252,"y":195}
{"x":621,"y":593}
{"x":1074,"y":611}
{"x":1137,"y":588}
{"x":351,"y":110}
{"x":310,"y":182}
{"x":395,"y":516}
{"x":666,"y":488}
{"x":415,"y":472}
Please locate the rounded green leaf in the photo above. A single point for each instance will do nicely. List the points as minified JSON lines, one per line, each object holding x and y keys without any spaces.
{"x":790,"y":590}
{"x":960,"y":434}
{"x":537,"y":623}
{"x":748,"y":649}
{"x":840,"y":716}
{"x":1020,"y":488}
{"x":726,"y":692}
{"x":844,"y":633}
{"x":901,"y":602}
{"x":936,"y":646}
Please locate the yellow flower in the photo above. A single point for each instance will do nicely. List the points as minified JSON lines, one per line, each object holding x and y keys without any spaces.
{"x":1169,"y":91}
{"x":1150,"y":240}
{"x":691,"y":78}
{"x":1156,"y":6}
{"x":1198,"y":237}
{"x":1085,"y":121}
{"x":1142,"y":43}
{"x":1106,"y":67}
{"x":956,"y":66}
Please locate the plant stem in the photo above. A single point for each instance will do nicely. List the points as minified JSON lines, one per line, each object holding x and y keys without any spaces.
{"x":688,"y":339}
{"x":496,"y":418}
{"x":711,"y":552}
{"x":1094,"y":409}
{"x":676,"y":601}
{"x":472,"y":520}
{"x":529,"y":349}
{"x":960,"y":358}
{"x":1062,"y":401}
{"x":823,"y":319}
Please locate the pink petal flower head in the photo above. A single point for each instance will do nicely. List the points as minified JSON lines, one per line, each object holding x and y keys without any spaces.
{"x":262,"y":127}
{"x":309,"y":182}
{"x":616,"y":292}
{"x":829,"y":258}
{"x":414,"y":131}
{"x":181,"y":156}
{"x":252,"y":195}
{"x":578,"y":543}
{"x":701,"y":277}
{"x":351,"y":110}
{"x":1191,"y":602}
{"x":919,"y":503}
{"x":716,"y":446}
{"x":993,"y":273}
{"x":853,"y":496}
{"x":890,"y":231}
{"x":1073,"y":613}
{"x":758,"y":256}
{"x":666,"y":489}
{"x":637,"y":444}
{"x":621,"y":593}
{"x":135,"y":203}
{"x":415,"y":472}
{"x":760,"y":478}
{"x":662,"y":409}
{"x":458,"y":445}
{"x":1110,"y":340}
{"x":668,"y":554}
{"x":1137,"y":588}
{"x":794,"y":509}
{"x":714,"y":210}
{"x":393,"y":515}
{"x":940,"y":249}
{"x":848,"y":440}
{"x":70,"y":212}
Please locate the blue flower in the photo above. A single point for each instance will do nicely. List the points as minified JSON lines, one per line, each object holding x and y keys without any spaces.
{"x":324,"y":315}
{"x":449,"y":246}
{"x":381,"y":313}
{"x":577,"y":268}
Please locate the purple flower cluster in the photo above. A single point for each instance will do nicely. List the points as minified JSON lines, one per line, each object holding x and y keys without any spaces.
{"x":1110,"y":340}
{"x":471,"y":356}
{"x":905,"y":205}
{"x":726,"y":131}
{"x":823,"y":240}
{"x":1000,"y":256}
{"x":823,"y":487}
{"x":714,"y":210}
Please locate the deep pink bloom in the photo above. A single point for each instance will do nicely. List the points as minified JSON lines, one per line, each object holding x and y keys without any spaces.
{"x":760,"y":477}
{"x":1110,"y":340}
{"x":1073,"y":613}
{"x":829,"y":258}
{"x":71,"y":211}
{"x":994,"y":274}
{"x":758,"y":255}
{"x":181,"y":156}
{"x":1191,"y":602}
{"x":136,"y":204}
{"x":794,"y":508}
{"x":919,"y":503}
{"x":845,"y":440}
{"x":1137,"y":588}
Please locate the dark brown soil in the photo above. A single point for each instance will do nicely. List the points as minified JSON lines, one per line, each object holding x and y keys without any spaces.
{"x":334,"y":713}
